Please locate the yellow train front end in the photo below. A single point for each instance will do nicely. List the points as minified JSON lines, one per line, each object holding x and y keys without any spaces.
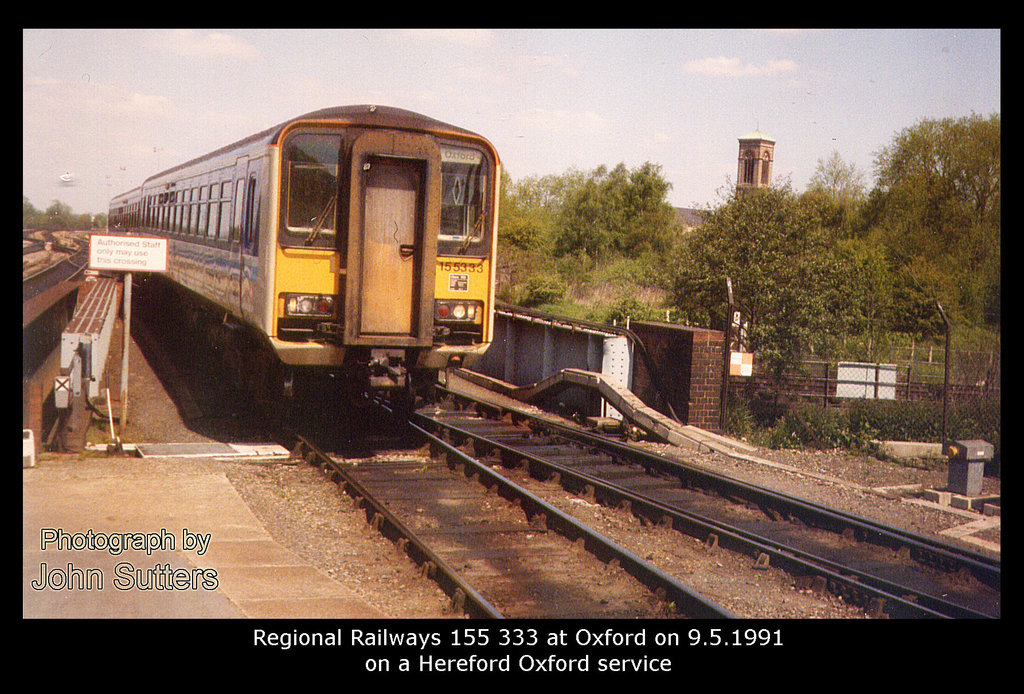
{"x":383,"y":264}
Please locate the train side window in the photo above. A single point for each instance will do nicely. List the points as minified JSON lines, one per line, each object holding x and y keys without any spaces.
{"x":193,"y":212}
{"x":193,"y":217}
{"x":204,"y":208}
{"x":214,"y":218}
{"x":225,"y":211}
{"x":236,"y":225}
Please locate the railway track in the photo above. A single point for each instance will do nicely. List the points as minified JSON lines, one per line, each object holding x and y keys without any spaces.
{"x":888,"y":571}
{"x":496,"y":549}
{"x":66,"y":269}
{"x":499,"y":550}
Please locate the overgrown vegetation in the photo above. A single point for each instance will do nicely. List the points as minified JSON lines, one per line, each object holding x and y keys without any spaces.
{"x":58,"y":216}
{"x":837,"y":270}
{"x":859,"y":423}
{"x":842,"y":271}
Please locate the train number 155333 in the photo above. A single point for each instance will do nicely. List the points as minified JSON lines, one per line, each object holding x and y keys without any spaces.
{"x":456,"y":266}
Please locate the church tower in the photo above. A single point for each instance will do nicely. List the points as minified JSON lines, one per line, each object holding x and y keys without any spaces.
{"x":754,"y":170}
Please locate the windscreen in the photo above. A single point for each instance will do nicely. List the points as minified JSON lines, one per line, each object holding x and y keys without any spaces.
{"x":310,"y":204}
{"x":464,"y":214}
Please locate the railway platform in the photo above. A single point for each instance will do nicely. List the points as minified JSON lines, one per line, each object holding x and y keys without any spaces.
{"x":194,"y":549}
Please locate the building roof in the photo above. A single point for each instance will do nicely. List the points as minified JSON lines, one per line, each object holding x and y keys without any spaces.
{"x":688,"y":217}
{"x":756,"y":135}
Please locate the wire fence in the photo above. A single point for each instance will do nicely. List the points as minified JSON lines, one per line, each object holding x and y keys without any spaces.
{"x":909,"y":397}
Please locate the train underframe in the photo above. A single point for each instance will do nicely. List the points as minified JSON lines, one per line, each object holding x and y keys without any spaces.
{"x":243,"y":361}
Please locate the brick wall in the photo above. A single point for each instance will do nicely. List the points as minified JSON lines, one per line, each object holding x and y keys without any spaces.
{"x":689,"y":364}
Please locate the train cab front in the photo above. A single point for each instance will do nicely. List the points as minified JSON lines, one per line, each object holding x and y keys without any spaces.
{"x":385,"y":255}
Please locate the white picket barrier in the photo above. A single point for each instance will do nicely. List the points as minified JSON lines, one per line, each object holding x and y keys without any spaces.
{"x":28,"y":448}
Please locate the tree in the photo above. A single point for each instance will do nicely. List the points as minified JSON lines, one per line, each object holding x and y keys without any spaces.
{"x":789,"y":279}
{"x":619,"y":210}
{"x":529,"y":208}
{"x":937,"y":204}
{"x":60,"y":212}
{"x":528,"y":212}
{"x":31,"y":218}
{"x":586,"y":219}
{"x":842,"y":181}
{"x":58,"y":215}
{"x":839,"y":190}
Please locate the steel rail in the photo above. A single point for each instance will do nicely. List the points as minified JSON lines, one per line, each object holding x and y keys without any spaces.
{"x":687,"y":601}
{"x":985,"y":568}
{"x":70,"y":260}
{"x":883,"y":595}
{"x":462,"y":595}
{"x":38,"y":282}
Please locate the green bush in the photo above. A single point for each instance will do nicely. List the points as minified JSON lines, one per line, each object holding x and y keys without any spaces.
{"x":777,"y":425}
{"x":811,"y":425}
{"x":897,"y":420}
{"x":739,"y":421}
{"x":631,"y":308}
{"x":540,"y":290}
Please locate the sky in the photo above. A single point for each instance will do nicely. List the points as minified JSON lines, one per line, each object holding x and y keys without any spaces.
{"x":104,"y":109}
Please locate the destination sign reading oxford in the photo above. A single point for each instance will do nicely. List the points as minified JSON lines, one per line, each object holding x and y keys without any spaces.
{"x":127,"y":253}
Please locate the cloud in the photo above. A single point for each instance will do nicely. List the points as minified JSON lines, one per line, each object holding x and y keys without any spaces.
{"x":734,"y":67}
{"x":188,"y":42}
{"x":46,"y":99}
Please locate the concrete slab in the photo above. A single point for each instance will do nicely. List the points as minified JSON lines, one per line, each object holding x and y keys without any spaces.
{"x":937,"y":496}
{"x":213,"y":558}
{"x":910,"y":449}
{"x":210,"y":449}
{"x":966,"y":529}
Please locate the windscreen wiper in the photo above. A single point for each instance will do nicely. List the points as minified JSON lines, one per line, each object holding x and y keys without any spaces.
{"x":321,"y":219}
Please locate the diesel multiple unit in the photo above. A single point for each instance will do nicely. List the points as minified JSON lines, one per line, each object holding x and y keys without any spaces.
{"x":353,"y":241}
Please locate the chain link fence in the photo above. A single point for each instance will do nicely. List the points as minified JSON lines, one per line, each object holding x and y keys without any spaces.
{"x":913,"y":399}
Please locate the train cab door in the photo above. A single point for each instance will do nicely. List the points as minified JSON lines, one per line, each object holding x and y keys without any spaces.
{"x":392,"y":231}
{"x":247,"y":190}
{"x":389,"y":291}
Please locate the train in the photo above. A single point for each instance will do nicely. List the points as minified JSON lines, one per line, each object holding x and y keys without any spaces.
{"x":353,"y":243}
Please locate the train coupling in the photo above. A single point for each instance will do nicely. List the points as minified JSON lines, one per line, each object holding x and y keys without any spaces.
{"x":334,"y":329}
{"x":387,"y":369}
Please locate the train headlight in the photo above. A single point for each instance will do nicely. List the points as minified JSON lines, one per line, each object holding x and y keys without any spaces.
{"x":462,"y":311}
{"x":319,"y":305}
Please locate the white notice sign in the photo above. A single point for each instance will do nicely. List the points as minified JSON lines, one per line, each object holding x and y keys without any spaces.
{"x":127,"y":253}
{"x":741,"y":364}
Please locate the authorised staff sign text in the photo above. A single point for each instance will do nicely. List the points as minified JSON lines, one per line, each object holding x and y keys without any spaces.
{"x":127,"y":253}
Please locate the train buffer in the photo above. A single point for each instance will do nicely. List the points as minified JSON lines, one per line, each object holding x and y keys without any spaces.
{"x":85,"y":343}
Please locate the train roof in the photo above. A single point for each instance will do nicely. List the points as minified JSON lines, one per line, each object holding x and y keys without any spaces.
{"x":365,"y":115}
{"x":380,"y":116}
